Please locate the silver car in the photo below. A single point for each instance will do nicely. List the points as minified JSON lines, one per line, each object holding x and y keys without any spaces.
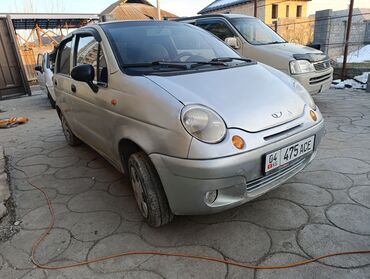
{"x":196,"y":127}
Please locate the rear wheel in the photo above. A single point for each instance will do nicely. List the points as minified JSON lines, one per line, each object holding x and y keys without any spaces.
{"x":51,"y":100}
{"x":148,"y":190}
{"x":71,"y":139}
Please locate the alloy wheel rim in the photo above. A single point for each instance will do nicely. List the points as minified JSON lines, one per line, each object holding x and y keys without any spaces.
{"x":139,"y":193}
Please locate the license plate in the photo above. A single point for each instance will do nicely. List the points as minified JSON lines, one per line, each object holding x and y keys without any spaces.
{"x":288,"y":154}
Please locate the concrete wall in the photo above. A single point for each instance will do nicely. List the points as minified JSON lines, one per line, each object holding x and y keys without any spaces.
{"x":330,"y":33}
{"x":299,"y":31}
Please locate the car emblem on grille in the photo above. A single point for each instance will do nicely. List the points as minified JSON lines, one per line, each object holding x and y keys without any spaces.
{"x":277,"y":114}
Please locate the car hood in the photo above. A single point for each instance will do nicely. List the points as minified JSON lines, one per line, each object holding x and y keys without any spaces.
{"x":288,"y":49}
{"x":252,"y":98}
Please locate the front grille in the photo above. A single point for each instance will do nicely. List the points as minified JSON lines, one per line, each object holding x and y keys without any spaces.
{"x":321,"y":66}
{"x":292,"y":169}
{"x":270,"y":137}
{"x":319,"y":79}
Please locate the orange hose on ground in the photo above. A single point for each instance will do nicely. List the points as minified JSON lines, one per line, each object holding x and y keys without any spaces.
{"x":158,"y":253}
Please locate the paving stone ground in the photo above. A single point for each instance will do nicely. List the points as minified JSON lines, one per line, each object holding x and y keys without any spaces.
{"x":324,"y":209}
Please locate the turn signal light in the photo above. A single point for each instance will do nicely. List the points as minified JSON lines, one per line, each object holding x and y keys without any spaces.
{"x":238,"y":142}
{"x":313,"y":115}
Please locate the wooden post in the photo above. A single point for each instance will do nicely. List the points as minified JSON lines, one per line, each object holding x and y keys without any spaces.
{"x":39,"y":37}
{"x":255,"y":8}
{"x":159,"y":10}
{"x":348,"y":35}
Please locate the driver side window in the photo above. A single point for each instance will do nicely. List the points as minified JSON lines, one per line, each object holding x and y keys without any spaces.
{"x":216,"y":27}
{"x":89,"y":51}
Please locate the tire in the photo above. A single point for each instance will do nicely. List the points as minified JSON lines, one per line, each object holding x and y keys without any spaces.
{"x":52,"y":102}
{"x":148,"y":191}
{"x":71,"y":139}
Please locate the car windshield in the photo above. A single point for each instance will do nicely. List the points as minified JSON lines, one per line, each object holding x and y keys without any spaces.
{"x":256,"y":32}
{"x":167,"y":46}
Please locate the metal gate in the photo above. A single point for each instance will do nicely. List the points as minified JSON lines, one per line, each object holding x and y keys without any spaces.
{"x":13,"y":80}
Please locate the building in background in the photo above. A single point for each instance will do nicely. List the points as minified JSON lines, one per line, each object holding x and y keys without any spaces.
{"x":132,"y":10}
{"x":330,"y":30}
{"x":288,"y":18}
{"x":269,"y":11}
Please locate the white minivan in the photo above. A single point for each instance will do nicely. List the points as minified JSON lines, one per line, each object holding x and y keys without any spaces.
{"x":45,"y":71}
{"x":254,"y":39}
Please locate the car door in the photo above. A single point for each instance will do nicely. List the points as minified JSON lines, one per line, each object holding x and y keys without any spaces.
{"x":63,"y":81}
{"x":40,"y":74}
{"x":90,"y":114}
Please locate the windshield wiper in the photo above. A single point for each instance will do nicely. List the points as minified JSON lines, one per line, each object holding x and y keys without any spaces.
{"x":230,"y":59}
{"x":158,"y":63}
{"x":276,"y":42}
{"x":204,"y":63}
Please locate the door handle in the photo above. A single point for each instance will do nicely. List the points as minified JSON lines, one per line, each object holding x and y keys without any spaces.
{"x":73,"y":88}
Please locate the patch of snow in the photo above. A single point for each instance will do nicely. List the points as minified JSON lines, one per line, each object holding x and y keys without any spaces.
{"x":359,"y":56}
{"x":358,"y":82}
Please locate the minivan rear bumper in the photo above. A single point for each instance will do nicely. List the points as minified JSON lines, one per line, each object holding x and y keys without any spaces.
{"x":316,"y":82}
{"x":186,"y":182}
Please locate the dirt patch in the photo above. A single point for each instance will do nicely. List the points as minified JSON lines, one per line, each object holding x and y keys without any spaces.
{"x":7,"y":223}
{"x":7,"y":227}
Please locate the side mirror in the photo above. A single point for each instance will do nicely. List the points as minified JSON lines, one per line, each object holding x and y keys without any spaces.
{"x":85,"y":73}
{"x":232,"y":42}
{"x":38,"y":68}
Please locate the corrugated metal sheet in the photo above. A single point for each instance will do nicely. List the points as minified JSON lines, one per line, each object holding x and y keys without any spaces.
{"x":49,"y":21}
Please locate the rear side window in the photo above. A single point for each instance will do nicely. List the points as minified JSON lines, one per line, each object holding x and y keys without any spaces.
{"x":216,"y":27}
{"x":64,"y":65}
{"x":89,"y":51}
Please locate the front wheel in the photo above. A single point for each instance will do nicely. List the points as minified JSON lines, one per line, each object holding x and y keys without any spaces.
{"x":148,"y":190}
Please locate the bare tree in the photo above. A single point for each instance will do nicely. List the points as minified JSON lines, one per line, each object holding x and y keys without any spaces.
{"x":37,"y":6}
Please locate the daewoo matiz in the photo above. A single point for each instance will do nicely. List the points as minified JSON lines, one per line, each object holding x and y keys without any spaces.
{"x":197,"y":128}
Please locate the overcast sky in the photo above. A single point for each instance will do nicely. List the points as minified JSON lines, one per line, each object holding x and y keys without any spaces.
{"x":179,"y":7}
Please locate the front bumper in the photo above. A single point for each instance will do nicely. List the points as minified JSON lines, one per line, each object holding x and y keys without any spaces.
{"x":316,"y":82}
{"x":238,"y":178}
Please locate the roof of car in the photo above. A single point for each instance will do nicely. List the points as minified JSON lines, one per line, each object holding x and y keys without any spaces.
{"x":93,"y":30}
{"x":213,"y":15}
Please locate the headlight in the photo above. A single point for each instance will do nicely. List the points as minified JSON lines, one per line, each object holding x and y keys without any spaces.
{"x":302,"y":92}
{"x":301,"y":67}
{"x":203,"y":124}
